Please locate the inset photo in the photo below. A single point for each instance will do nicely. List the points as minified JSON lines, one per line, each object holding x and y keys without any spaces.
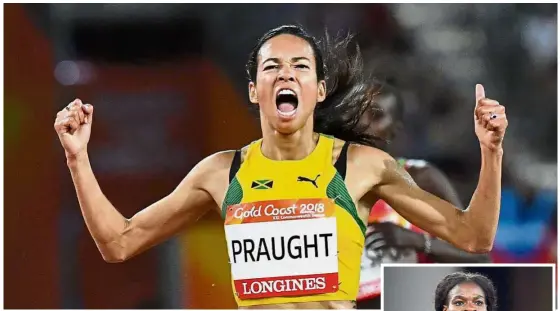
{"x":453,"y":287}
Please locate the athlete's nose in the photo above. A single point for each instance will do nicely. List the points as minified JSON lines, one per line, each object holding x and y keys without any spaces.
{"x":286,"y":74}
{"x":286,"y":78}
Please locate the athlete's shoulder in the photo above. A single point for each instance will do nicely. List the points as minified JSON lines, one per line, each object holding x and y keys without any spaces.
{"x":212,"y":172}
{"x":219,"y":158}
{"x":223,"y":159}
{"x":215,"y":163}
{"x":370,"y":156}
{"x":357,"y":152}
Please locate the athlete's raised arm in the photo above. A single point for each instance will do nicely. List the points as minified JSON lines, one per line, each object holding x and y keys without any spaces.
{"x":473,"y":229}
{"x":117,"y":237}
{"x":433,"y":180}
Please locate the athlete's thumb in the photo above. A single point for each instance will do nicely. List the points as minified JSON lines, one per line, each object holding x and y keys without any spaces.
{"x":479,"y":93}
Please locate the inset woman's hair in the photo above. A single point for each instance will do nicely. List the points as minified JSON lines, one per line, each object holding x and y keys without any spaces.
{"x":350,"y":92}
{"x":454,"y":279}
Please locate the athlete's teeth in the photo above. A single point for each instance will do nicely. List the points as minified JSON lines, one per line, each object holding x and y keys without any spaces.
{"x":286,"y":92}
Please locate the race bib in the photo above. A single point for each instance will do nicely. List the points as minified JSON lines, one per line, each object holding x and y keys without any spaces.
{"x":282,"y":248}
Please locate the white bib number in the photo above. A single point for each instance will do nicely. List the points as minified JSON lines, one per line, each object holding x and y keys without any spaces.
{"x":282,"y":248}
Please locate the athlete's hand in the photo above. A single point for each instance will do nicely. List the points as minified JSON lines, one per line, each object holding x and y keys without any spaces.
{"x":73,"y":126}
{"x":490,"y":121}
{"x":388,"y":235}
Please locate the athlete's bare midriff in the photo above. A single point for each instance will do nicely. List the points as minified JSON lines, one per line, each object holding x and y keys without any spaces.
{"x":308,"y":305}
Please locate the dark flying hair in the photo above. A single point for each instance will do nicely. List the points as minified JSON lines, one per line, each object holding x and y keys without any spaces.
{"x":350,"y":93}
{"x":454,"y":279}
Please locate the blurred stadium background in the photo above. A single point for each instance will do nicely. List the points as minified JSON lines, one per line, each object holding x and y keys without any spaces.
{"x":415,"y":286}
{"x":169,"y":88}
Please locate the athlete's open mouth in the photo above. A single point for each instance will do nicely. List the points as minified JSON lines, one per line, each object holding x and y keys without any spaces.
{"x":286,"y":102}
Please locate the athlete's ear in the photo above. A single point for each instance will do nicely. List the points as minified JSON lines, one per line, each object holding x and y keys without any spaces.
{"x":321,"y":91}
{"x":253,"y":93}
{"x":444,"y":308}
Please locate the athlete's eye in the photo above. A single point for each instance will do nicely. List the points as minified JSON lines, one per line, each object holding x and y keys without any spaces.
{"x":479,"y":303}
{"x":458,"y":303}
{"x":270,"y":67}
{"x":302,"y":66}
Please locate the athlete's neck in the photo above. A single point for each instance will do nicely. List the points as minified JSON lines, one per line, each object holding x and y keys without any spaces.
{"x":295,"y":146}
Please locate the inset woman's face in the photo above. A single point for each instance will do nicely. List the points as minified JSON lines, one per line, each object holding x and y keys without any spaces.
{"x":466,"y":297}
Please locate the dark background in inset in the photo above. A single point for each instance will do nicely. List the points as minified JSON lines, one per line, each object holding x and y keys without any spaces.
{"x":516,"y":286}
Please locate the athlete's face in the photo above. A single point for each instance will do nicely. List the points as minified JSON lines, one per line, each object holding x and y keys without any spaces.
{"x":286,"y":88}
{"x":466,"y":297}
{"x":385,"y":123}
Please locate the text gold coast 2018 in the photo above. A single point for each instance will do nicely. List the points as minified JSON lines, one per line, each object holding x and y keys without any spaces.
{"x":305,"y":211}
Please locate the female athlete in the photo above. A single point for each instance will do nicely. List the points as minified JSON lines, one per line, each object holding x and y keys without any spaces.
{"x":295,"y":202}
{"x":466,"y":291}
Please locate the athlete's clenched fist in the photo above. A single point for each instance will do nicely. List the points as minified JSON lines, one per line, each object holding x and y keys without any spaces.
{"x":73,"y":126}
{"x":490,"y":121}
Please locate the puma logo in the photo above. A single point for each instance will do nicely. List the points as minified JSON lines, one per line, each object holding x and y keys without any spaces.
{"x":305,"y":179}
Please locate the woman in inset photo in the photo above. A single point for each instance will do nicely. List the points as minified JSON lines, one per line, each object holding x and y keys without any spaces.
{"x":460,"y":291}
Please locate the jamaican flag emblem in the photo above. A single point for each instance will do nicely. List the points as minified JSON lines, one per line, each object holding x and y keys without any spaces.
{"x":262,"y":184}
